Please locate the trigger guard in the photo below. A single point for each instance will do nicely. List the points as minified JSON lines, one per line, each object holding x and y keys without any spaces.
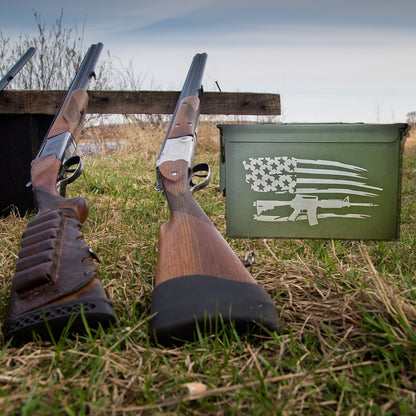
{"x":63,"y":180}
{"x":200,"y":167}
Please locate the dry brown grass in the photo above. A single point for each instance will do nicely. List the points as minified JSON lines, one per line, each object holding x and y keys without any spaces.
{"x":348,"y":309}
{"x":144,"y":137}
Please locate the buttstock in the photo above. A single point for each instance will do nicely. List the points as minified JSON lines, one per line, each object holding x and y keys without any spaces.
{"x":44,"y":174}
{"x":201,"y":284}
{"x":55,"y":277}
{"x":47,"y":201}
{"x":189,"y":244}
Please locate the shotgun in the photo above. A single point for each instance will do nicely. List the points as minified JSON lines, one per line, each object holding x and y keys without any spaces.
{"x":16,"y":68}
{"x":200,"y":282}
{"x":55,"y":282}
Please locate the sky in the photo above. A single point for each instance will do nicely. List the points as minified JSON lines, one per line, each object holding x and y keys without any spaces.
{"x":330,"y":60}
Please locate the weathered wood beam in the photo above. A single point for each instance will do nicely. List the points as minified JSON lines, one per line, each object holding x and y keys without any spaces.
{"x":141,"y":102}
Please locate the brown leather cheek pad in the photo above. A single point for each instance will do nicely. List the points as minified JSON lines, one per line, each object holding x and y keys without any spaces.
{"x":54,"y":261}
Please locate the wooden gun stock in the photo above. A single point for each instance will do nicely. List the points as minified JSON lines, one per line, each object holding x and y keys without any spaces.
{"x":71,"y":115}
{"x":55,"y":278}
{"x":200,"y":282}
{"x":44,"y":171}
{"x":186,"y":119}
{"x":189,"y":244}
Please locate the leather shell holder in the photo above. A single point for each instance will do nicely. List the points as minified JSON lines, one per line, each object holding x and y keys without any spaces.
{"x":54,"y":262}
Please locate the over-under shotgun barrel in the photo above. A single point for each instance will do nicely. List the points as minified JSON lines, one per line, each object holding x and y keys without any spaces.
{"x":192,"y":84}
{"x":16,"y":68}
{"x":71,"y":119}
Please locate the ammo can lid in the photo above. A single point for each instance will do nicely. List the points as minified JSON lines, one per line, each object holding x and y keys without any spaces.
{"x":313,"y":132}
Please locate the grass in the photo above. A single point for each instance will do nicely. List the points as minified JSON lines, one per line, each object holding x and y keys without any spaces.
{"x":347,"y":343}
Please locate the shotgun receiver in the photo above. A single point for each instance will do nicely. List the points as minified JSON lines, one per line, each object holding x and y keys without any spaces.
{"x":200,"y":282}
{"x":55,"y":280}
{"x":16,"y":68}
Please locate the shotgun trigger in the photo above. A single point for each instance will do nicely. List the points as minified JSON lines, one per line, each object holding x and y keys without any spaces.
{"x":67,"y":168}
{"x":158,"y":187}
{"x":200,"y":167}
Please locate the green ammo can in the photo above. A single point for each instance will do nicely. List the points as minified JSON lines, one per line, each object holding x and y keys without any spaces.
{"x":330,"y":180}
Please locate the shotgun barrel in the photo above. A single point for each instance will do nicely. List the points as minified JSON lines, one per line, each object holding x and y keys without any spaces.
{"x":16,"y":68}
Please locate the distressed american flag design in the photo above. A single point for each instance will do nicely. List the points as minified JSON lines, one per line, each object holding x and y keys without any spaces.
{"x":284,"y":174}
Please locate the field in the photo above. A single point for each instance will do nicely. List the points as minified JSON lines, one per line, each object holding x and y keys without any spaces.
{"x":347,"y":345}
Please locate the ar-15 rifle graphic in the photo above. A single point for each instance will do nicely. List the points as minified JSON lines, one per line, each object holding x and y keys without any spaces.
{"x":307,"y":205}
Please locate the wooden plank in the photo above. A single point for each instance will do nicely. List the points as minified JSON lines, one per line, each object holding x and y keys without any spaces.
{"x":141,"y":102}
{"x":240,"y":103}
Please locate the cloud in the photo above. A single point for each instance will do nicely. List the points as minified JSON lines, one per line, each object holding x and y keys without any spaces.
{"x":131,"y":15}
{"x":356,"y":54}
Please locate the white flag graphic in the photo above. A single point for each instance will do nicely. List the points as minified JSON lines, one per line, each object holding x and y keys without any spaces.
{"x":305,"y":179}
